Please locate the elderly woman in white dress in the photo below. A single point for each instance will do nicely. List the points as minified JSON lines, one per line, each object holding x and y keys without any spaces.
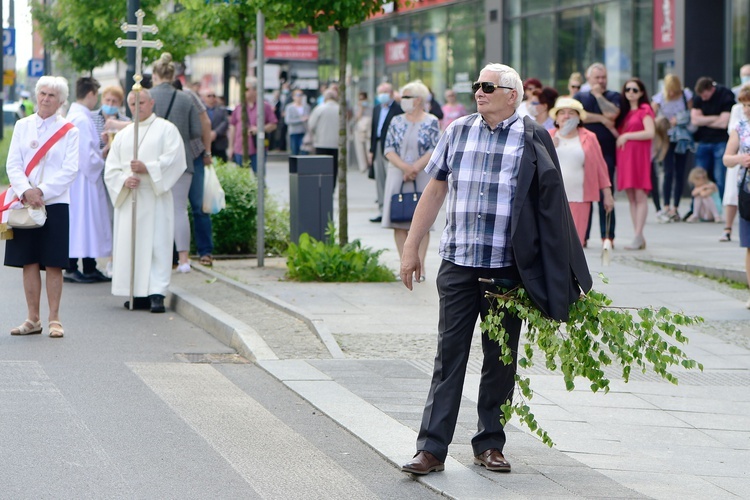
{"x":410,"y":140}
{"x":42,"y":180}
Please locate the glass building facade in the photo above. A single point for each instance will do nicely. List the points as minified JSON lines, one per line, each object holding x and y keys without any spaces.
{"x":546,"y":39}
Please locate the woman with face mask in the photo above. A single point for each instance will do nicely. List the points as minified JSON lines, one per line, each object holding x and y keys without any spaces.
{"x":581,"y":162}
{"x":409,"y":143}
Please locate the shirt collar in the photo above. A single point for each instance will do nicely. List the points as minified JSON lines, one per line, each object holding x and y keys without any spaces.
{"x":503,"y":124}
{"x":46,"y":122}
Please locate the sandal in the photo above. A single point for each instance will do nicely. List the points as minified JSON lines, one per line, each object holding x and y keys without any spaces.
{"x":27,"y":328}
{"x":206,"y":260}
{"x":56,"y":330}
{"x":727,"y":234}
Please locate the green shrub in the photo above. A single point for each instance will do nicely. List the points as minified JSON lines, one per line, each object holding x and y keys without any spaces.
{"x":234,"y":228}
{"x":313,"y":260}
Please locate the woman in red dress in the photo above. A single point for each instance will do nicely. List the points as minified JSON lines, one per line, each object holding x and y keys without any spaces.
{"x":635,"y":126}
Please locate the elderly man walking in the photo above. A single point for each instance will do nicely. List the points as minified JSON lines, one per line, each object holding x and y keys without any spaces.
{"x":324,"y":126}
{"x":382,"y":114}
{"x":507,"y":218}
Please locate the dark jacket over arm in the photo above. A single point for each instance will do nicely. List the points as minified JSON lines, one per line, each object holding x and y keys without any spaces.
{"x":546,"y":247}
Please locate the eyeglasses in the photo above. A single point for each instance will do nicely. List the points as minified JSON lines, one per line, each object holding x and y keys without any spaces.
{"x":574,"y":86}
{"x":634,"y":90}
{"x":210,"y":95}
{"x":408,"y":97}
{"x":488,"y":87}
{"x":534,"y":103}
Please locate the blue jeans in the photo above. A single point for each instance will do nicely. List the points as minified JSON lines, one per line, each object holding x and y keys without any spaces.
{"x":674,"y":176}
{"x":709,"y":156}
{"x":295,"y":143}
{"x":253,"y":161}
{"x":204,"y":241}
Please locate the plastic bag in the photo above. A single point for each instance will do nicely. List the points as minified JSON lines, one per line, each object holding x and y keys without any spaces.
{"x":213,"y":195}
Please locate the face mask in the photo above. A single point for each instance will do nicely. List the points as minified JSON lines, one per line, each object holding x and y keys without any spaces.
{"x":109,"y":110}
{"x":569,"y":126}
{"x":285,"y":91}
{"x":407,"y":105}
{"x":745,"y":79}
{"x":532,"y":110}
{"x":384,"y":98}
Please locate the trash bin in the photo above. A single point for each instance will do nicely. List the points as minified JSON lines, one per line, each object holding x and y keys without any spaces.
{"x":310,"y":195}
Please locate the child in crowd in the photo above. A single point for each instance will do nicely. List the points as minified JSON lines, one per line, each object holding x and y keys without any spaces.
{"x":706,"y":201}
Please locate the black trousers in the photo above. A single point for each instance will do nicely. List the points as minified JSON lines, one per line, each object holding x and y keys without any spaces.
{"x":610,"y":161}
{"x":462,"y":301}
{"x":331,"y":152}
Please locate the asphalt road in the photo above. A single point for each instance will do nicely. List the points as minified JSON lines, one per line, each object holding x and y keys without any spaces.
{"x":120,"y":409}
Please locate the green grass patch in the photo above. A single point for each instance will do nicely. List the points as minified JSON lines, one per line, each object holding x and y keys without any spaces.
{"x":4,"y":147}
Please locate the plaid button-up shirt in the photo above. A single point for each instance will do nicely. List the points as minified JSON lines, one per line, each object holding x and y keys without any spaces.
{"x":481,"y":167}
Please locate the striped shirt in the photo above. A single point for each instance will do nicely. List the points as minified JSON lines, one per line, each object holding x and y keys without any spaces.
{"x":481,"y":167}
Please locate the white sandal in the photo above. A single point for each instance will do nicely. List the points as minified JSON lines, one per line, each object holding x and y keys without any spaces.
{"x":27,"y":328}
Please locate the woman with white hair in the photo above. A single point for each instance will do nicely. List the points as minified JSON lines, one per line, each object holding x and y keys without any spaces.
{"x":42,"y":164}
{"x":409,"y":143}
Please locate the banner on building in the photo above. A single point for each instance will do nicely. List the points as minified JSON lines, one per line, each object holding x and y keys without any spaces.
{"x":397,"y":52}
{"x":292,"y":48}
{"x":663,"y":24}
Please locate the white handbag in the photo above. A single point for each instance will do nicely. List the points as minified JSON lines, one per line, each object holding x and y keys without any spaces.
{"x":28,"y":217}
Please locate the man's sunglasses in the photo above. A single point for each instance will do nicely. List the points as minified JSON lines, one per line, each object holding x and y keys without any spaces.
{"x":488,"y":87}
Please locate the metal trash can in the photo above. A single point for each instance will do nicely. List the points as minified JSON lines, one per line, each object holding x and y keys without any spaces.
{"x":310,"y":195}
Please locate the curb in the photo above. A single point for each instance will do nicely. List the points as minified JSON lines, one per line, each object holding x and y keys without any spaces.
{"x":316,"y":325}
{"x":713,"y":272}
{"x":233,"y":333}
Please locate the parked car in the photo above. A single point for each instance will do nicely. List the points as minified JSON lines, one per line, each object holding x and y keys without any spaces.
{"x":10,"y":112}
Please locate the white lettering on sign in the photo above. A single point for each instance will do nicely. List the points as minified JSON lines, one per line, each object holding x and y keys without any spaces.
{"x":397,"y":52}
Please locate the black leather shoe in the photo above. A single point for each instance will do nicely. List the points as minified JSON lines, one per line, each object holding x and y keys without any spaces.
{"x":97,"y":276}
{"x":379,"y":218}
{"x":141,"y":303}
{"x":493,"y":460}
{"x":76,"y":277}
{"x":423,"y":463}
{"x":157,"y":303}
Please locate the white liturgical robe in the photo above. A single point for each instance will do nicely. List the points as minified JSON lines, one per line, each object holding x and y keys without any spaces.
{"x":161,"y":149}
{"x":90,"y":226}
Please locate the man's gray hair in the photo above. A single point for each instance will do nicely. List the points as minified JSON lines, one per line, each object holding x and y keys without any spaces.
{"x":330,"y":95}
{"x":251,"y":82}
{"x":383,"y":85}
{"x":142,"y":91}
{"x":507,"y":77}
{"x":57,"y":83}
{"x":596,"y":65}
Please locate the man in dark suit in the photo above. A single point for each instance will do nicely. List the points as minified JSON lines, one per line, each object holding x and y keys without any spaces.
{"x":219,"y":123}
{"x":386,"y":108}
{"x":507,"y":220}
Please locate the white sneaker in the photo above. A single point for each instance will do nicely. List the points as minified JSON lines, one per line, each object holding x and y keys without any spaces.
{"x":748,"y":304}
{"x":184,"y":268}
{"x":108,"y":270}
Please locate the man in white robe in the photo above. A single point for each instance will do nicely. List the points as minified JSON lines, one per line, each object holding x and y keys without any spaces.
{"x":90,"y":225}
{"x":161,"y":162}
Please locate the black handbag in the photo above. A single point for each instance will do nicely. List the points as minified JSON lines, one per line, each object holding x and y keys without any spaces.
{"x":743,"y":198}
{"x":404,"y":204}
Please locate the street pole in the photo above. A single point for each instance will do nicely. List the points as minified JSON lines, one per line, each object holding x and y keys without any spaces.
{"x":260,"y":147}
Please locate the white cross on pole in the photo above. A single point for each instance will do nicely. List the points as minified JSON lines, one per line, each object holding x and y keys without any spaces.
{"x":139,"y":43}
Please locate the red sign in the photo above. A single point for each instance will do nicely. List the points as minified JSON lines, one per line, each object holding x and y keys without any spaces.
{"x":663,"y":24}
{"x":397,"y":52}
{"x":298,"y":48}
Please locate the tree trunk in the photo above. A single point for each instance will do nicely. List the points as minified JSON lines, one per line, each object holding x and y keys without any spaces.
{"x":343,"y":204}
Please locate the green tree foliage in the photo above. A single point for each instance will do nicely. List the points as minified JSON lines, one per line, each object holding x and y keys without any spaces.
{"x":595,"y":336}
{"x":236,"y":21}
{"x":86,"y":30}
{"x":340,"y":15}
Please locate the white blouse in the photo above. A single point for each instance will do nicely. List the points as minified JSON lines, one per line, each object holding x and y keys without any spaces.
{"x":60,"y":163}
{"x":571,"y":156}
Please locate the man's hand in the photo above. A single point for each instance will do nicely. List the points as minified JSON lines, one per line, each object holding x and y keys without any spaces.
{"x":33,"y":197}
{"x":138,"y":167}
{"x":207,"y":160}
{"x":410,"y":266}
{"x":132,"y":182}
{"x":369,"y":158}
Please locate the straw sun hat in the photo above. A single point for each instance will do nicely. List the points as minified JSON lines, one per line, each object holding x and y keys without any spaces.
{"x":568,"y":103}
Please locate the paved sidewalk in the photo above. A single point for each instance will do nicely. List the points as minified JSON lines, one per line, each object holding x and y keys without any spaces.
{"x":365,"y":359}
